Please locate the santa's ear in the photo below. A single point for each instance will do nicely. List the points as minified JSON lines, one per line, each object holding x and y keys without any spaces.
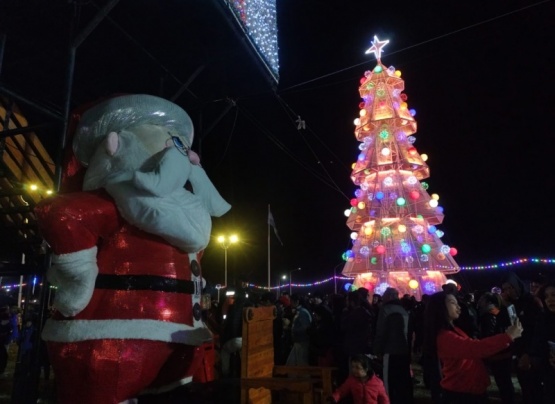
{"x":193,"y":157}
{"x":112,"y":142}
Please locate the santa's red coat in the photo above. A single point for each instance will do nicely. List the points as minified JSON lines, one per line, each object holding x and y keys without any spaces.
{"x":142,"y":328}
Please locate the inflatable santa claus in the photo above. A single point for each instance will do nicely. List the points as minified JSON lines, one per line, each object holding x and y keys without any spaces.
{"x":126,"y":253}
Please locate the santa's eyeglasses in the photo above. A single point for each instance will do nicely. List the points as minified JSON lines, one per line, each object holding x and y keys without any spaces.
{"x":179,"y":145}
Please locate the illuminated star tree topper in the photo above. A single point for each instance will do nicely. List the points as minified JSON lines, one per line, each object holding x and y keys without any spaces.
{"x":377,"y":47}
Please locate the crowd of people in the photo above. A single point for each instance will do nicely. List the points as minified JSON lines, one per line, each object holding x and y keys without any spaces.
{"x":20,"y":335}
{"x":9,"y":333}
{"x":459,"y":339}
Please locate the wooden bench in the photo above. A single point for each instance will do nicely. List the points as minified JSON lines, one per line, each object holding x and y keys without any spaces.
{"x":257,"y":362}
{"x":322,"y":375}
{"x":258,"y":390}
{"x":259,"y":376}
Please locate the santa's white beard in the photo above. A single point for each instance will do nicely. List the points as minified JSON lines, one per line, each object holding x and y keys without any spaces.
{"x":180,"y":217}
{"x":162,"y":206}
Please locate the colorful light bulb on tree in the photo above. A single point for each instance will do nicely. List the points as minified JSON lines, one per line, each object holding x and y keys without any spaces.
{"x":394,"y":218}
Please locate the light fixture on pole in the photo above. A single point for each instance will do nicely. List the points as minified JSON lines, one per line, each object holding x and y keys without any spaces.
{"x":279,"y":287}
{"x":225,"y":242}
{"x":218,"y":287}
{"x":290,"y":283}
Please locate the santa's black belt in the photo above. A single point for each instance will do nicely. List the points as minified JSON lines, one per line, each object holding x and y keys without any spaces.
{"x":144,"y":282}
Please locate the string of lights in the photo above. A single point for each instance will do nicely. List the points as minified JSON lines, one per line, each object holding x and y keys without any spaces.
{"x":258,"y":19}
{"x":501,"y":265}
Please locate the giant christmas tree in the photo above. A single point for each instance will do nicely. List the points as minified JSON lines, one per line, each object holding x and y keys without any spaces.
{"x":392,"y":217}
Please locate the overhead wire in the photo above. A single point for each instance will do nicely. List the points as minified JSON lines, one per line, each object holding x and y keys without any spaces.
{"x":263,"y":129}
{"x":228,"y":143}
{"x":291,"y":114}
{"x":422,"y":43}
{"x":327,"y":179}
{"x":310,"y":148}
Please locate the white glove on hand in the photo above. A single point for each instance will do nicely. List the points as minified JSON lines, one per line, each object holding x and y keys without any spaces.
{"x":74,"y":274}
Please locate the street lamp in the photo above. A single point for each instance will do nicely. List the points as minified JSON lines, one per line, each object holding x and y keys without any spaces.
{"x":218,"y":287}
{"x":290,"y":272}
{"x":279,"y":287}
{"x":225,"y":242}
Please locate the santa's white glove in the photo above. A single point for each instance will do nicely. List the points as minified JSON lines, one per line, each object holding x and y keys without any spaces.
{"x":74,"y":274}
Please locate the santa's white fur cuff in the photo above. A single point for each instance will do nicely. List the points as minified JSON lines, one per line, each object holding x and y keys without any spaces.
{"x":83,"y":330}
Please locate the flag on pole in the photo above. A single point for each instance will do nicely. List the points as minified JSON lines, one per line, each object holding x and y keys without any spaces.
{"x":271,"y":222}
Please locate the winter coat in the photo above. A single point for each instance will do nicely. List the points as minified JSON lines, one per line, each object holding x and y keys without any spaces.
{"x":462,"y":360}
{"x":539,"y":350}
{"x":300,"y":325}
{"x":356,"y":329}
{"x":372,"y":391}
{"x":233,"y":324}
{"x":494,"y":320}
{"x":392,"y":330}
{"x":527,"y":310}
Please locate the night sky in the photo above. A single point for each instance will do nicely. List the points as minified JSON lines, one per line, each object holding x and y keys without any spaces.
{"x":478,"y":73}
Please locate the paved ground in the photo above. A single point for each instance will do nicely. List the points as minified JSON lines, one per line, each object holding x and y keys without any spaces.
{"x":218,"y":392}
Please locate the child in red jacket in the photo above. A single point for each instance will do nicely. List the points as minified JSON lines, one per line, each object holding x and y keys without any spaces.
{"x":362,"y":384}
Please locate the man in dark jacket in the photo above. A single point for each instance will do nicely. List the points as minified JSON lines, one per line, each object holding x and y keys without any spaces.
{"x":392,"y":342}
{"x":494,"y":319}
{"x":356,"y":326}
{"x":232,"y":334}
{"x":527,"y":310}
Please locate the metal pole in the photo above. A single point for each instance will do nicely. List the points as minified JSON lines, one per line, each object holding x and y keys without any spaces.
{"x":225,"y":266}
{"x":2,"y":47}
{"x":269,"y":212}
{"x":20,"y":294}
{"x":97,"y":19}
{"x":290,"y":287}
{"x":187,"y":83}
{"x":46,"y":111}
{"x":290,"y":283}
{"x":335,"y":275}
